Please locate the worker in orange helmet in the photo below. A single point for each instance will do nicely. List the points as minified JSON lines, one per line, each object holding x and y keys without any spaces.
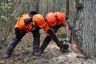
{"x":55,"y":21}
{"x":31,"y":22}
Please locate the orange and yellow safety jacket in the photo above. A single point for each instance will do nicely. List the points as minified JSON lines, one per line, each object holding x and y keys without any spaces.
{"x":21,"y":22}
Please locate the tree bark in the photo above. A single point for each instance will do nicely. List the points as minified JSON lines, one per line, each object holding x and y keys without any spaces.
{"x":86,"y":28}
{"x":36,"y":5}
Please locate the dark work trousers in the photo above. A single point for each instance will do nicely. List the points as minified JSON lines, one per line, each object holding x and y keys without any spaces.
{"x":36,"y":41}
{"x":48,"y":39}
{"x":15,"y":40}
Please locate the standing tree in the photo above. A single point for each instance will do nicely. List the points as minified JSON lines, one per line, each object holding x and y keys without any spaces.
{"x":36,"y":5}
{"x":86,"y":28}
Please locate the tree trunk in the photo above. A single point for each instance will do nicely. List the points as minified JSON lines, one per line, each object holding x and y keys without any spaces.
{"x":86,"y":28}
{"x":36,"y":5}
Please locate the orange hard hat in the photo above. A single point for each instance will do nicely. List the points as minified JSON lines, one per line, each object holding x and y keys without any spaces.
{"x":51,"y":19}
{"x":60,"y":17}
{"x":39,"y":20}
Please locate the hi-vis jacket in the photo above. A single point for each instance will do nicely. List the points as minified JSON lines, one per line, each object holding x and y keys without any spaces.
{"x":21,"y":22}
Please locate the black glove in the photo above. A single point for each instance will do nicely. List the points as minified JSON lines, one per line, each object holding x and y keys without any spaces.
{"x":64,"y":46}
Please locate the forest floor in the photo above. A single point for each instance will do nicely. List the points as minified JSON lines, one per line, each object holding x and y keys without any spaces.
{"x":52,"y":55}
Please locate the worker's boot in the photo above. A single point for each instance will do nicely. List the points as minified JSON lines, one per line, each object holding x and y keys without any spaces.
{"x":10,"y":48}
{"x":36,"y":43}
{"x":36,"y":52}
{"x":36,"y":46}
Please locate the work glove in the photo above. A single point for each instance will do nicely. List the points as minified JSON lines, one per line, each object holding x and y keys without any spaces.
{"x":65,"y":45}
